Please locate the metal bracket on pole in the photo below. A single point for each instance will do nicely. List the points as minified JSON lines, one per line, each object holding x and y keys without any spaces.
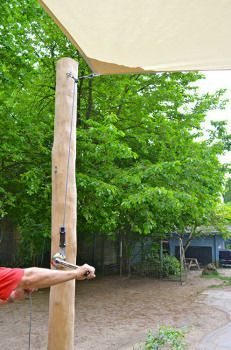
{"x":62,"y":241}
{"x":92,"y":75}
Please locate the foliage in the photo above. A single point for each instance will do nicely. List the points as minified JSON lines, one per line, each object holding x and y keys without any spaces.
{"x":170,"y":266}
{"x":152,"y":254}
{"x":166,"y":338}
{"x":227,"y":192}
{"x":155,"y":264}
{"x":221,"y":219}
{"x":141,"y":169}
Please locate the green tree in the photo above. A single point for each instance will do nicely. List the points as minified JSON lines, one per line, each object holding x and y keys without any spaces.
{"x":140,"y":167}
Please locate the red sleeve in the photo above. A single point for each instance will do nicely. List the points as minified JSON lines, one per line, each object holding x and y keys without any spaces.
{"x":9,"y":279}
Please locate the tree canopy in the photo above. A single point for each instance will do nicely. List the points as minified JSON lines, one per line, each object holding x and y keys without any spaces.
{"x":141,"y":167}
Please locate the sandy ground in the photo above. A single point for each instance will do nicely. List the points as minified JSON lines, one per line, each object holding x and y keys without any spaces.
{"x":115,"y":313}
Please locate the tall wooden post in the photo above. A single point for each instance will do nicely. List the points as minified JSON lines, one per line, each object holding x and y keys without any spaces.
{"x":62,"y":297}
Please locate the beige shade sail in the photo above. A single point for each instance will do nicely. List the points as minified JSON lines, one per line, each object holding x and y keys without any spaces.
{"x":125,"y":36}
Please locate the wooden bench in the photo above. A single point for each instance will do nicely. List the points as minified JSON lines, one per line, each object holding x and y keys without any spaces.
{"x":192,"y":263}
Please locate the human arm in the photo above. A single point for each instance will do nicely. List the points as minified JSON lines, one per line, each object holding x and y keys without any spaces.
{"x":35,"y":277}
{"x":30,"y":279}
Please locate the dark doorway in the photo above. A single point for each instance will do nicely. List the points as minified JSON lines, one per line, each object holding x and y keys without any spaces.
{"x":202,"y":254}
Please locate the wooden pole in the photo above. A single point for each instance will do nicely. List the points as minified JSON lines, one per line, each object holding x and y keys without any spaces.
{"x":62,"y":297}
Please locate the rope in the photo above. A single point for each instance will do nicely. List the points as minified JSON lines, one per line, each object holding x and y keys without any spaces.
{"x":70,"y":75}
{"x":69,"y":153}
{"x":30,"y":320}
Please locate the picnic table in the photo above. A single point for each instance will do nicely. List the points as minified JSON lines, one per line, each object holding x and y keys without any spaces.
{"x":192,"y":263}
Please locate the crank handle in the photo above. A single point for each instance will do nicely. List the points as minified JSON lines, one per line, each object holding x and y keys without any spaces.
{"x":58,"y":261}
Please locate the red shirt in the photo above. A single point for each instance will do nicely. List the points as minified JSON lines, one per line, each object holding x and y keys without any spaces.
{"x":9,"y":279}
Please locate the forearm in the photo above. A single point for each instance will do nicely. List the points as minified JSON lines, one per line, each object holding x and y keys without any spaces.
{"x":35,"y":277}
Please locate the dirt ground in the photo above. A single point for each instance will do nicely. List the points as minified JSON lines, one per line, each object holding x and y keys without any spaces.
{"x":115,"y":313}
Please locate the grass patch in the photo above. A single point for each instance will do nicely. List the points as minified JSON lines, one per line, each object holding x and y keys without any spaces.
{"x":215,"y":275}
{"x":226,"y":280}
{"x":212,"y":274}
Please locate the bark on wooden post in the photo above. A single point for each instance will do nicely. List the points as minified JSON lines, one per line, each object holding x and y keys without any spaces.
{"x":62,"y":297}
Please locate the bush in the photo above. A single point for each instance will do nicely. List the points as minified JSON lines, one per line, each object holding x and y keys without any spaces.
{"x":152,"y":265}
{"x":167,"y":338}
{"x":170,"y":266}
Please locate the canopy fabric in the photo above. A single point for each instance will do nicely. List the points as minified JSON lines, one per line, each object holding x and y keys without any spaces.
{"x":125,"y":36}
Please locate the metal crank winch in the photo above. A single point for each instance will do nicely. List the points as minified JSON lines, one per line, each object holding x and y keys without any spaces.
{"x":59,"y":259}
